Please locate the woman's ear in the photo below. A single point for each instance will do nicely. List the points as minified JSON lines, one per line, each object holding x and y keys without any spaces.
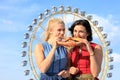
{"x":50,"y":31}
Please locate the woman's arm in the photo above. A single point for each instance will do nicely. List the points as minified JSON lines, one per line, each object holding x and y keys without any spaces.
{"x":42,"y":62}
{"x":99,"y":56}
{"x":95,"y":59}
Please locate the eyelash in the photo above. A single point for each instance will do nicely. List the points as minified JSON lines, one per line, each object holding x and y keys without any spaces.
{"x":61,"y":30}
{"x":79,"y":31}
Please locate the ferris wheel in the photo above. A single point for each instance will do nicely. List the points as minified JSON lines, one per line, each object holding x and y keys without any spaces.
{"x":35,"y":34}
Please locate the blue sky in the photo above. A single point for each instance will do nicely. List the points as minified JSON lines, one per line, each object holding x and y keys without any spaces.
{"x":16,"y":15}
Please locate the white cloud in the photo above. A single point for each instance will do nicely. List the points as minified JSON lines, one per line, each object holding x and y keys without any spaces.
{"x":7,"y":22}
{"x":11,"y":2}
{"x":16,"y":20}
{"x":110,"y":26}
{"x":108,"y":23}
{"x":14,"y":17}
{"x":8,"y":26}
{"x":116,"y":57}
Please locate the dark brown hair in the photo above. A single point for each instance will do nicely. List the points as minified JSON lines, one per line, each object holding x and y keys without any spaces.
{"x":85,"y":24}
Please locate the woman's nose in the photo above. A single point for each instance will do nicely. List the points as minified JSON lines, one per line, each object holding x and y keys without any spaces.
{"x":76,"y":35}
{"x":62,"y":32}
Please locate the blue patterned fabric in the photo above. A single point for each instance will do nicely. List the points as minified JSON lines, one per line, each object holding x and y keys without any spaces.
{"x":59,"y":62}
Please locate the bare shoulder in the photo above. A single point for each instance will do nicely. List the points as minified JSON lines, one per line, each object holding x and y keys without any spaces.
{"x":38,"y":53}
{"x":98,"y":49}
{"x":38,"y":48}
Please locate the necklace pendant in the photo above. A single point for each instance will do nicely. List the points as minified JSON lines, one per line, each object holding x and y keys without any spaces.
{"x":80,"y":51}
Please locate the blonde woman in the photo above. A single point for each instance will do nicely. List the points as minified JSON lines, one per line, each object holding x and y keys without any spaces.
{"x":51,"y":58}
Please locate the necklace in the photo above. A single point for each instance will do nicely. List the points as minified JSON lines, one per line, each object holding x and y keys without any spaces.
{"x":80,"y":50}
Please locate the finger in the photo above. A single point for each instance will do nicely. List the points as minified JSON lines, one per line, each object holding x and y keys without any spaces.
{"x":61,"y":72}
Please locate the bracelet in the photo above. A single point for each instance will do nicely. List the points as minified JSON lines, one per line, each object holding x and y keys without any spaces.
{"x":77,"y":70}
{"x":92,"y":54}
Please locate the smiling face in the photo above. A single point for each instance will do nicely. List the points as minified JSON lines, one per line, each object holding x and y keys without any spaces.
{"x":55,"y":29}
{"x":80,"y":32}
{"x":58,"y":30}
{"x":81,"y":29}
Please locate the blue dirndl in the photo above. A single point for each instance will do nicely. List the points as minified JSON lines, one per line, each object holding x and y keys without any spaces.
{"x":51,"y":77}
{"x":59,"y":63}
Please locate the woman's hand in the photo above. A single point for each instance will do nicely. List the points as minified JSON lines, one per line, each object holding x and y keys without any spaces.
{"x":73,"y":70}
{"x":55,"y":41}
{"x":64,"y":74}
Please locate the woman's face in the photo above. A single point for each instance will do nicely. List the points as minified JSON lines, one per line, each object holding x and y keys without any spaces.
{"x":80,"y":32}
{"x":58,"y":30}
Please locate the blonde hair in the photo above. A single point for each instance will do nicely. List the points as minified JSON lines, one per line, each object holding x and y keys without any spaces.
{"x":50,"y":25}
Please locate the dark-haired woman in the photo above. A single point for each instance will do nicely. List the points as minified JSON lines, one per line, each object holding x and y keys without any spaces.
{"x":86,"y":58}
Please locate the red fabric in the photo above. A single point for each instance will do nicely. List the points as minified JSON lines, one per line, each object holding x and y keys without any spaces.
{"x":81,"y":59}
